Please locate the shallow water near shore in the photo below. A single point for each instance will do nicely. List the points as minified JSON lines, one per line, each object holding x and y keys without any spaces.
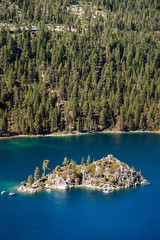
{"x":80,"y":213}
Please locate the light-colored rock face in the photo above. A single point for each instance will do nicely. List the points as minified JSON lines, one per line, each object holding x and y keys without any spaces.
{"x":21,"y":189}
{"x":69,"y":181}
{"x":107,"y":174}
{"x":60,"y":183}
{"x":62,"y":187}
{"x":52,"y":177}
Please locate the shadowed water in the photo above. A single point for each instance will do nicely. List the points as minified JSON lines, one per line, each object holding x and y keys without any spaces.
{"x":80,"y":213}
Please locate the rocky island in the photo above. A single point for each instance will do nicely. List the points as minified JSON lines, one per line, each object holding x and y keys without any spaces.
{"x":107,"y":174}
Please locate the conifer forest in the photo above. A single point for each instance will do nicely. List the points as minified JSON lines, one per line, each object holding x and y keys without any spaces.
{"x":70,"y":65}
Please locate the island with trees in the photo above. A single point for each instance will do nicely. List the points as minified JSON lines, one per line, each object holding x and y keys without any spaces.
{"x":107,"y":174}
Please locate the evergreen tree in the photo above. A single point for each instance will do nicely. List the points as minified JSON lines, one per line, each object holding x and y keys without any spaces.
{"x":45,"y":166}
{"x":66,"y":161}
{"x":88,"y":160}
{"x":30,"y":180}
{"x":36,"y":173}
{"x":82,"y":161}
{"x":82,"y":78}
{"x":4,"y":123}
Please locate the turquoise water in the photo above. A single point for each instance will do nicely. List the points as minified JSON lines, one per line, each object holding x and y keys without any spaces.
{"x":80,"y":214}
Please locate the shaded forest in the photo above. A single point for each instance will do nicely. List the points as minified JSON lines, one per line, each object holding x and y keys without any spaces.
{"x":101,"y":71}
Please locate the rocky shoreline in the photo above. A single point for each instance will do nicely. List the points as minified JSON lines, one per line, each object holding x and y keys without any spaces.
{"x":107,"y":174}
{"x":75,"y":133}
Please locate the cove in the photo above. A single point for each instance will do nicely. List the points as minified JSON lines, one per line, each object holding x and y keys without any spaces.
{"x":80,"y":213}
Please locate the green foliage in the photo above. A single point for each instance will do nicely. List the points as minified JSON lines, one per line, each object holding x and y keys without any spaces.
{"x":4,"y":124}
{"x":90,"y":168}
{"x":123,"y":164}
{"x":98,"y":173}
{"x":23,"y":183}
{"x":112,"y":180}
{"x":111,"y":170}
{"x":66,"y":161}
{"x":82,"y":161}
{"x":30,"y":180}
{"x":96,"y":182}
{"x":57,"y":169}
{"x":36,"y":173}
{"x":45,"y":166}
{"x":104,"y":180}
{"x":77,"y":180}
{"x":88,"y":160}
{"x":103,"y":75}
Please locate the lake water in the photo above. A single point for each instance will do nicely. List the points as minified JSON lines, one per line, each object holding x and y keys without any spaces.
{"x":80,"y":213}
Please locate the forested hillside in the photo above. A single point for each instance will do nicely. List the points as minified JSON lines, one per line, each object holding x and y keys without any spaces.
{"x":70,"y":65}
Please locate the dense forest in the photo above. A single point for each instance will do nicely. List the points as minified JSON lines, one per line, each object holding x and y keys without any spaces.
{"x":68,"y":65}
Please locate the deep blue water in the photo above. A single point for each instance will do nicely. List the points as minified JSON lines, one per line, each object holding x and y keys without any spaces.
{"x":80,"y":214}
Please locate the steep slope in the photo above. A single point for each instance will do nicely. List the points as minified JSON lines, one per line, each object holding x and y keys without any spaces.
{"x":84,"y":66}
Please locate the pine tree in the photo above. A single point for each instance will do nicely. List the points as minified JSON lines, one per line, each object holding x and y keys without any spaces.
{"x":4,"y":123}
{"x":88,"y":160}
{"x":66,"y":161}
{"x":45,"y":166}
{"x":102,"y":119}
{"x":79,"y":125}
{"x":82,"y":161}
{"x":36,"y":173}
{"x":30,"y":180}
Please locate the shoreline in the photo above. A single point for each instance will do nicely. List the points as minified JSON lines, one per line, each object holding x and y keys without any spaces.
{"x":31,"y":190}
{"x":75,"y":134}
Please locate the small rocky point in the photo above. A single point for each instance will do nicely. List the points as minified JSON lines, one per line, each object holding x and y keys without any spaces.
{"x":107,"y":174}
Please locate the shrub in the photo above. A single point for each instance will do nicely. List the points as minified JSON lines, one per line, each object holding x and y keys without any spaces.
{"x":23,"y":183}
{"x":90,"y":168}
{"x":77,"y":180}
{"x":103,"y":180}
{"x":96,"y":182}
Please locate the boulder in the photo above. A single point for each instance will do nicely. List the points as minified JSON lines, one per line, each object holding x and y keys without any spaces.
{"x":62,"y":187}
{"x":60,"y":183}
